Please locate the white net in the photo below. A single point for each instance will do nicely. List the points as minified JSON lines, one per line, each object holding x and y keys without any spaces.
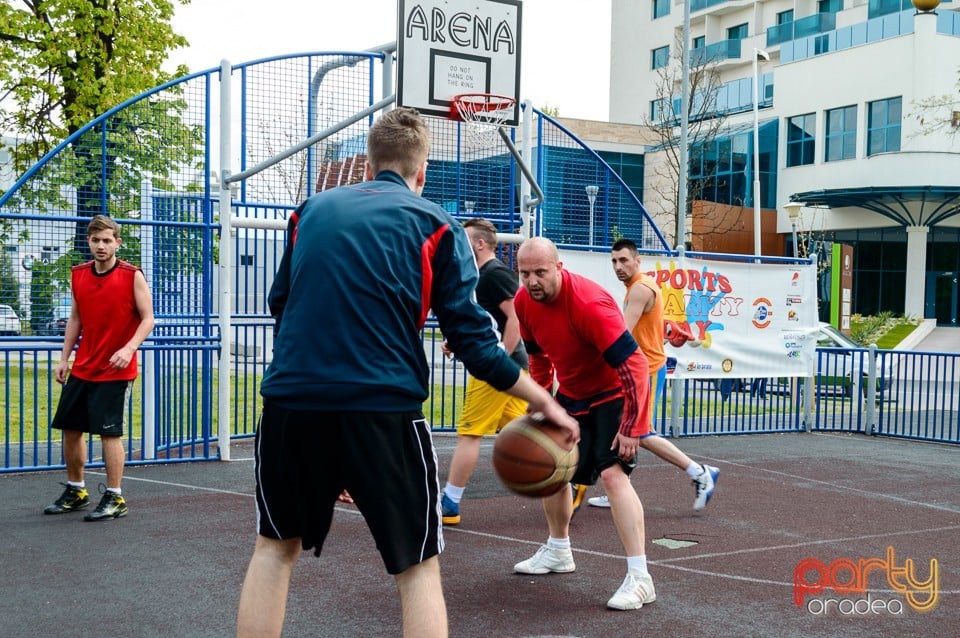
{"x":483,"y":114}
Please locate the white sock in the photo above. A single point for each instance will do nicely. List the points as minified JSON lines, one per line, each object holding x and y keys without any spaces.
{"x":79,"y":485}
{"x":637,"y":564}
{"x":115,"y":490}
{"x":695,"y":469}
{"x":558,"y":543}
{"x":453,"y":492}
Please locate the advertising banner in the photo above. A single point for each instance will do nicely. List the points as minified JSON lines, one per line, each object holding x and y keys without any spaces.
{"x":731,"y":320}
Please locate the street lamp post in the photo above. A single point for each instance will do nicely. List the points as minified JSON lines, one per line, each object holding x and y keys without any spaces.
{"x":793,"y":212}
{"x":592,"y":198}
{"x":757,"y":54}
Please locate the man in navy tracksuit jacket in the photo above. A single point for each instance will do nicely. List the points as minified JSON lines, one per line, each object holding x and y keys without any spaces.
{"x":363,"y":267}
{"x":353,"y":342}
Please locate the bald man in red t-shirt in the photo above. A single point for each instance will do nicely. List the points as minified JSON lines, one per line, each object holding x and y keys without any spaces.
{"x":573,"y":330}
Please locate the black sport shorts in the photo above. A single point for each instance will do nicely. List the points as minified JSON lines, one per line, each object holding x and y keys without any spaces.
{"x":598,"y":428}
{"x":97,"y":407}
{"x":304,"y":459}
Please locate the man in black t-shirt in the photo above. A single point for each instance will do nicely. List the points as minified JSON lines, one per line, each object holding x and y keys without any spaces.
{"x":485,"y":409}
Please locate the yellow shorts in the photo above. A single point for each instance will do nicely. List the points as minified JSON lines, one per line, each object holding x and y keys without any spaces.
{"x":486,"y":410}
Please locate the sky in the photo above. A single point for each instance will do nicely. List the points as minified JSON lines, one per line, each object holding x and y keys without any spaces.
{"x":565,"y":61}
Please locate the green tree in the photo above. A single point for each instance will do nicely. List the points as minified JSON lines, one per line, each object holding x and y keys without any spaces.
{"x":705,"y":125}
{"x":9,"y":288}
{"x":63,"y":63}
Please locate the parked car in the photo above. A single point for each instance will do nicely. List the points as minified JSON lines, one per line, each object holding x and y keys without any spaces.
{"x":55,"y":322}
{"x":851,"y":368}
{"x":9,"y":321}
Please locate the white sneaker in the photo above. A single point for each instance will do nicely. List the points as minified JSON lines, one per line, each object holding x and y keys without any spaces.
{"x":599,"y":501}
{"x":635,"y":592}
{"x":546,"y":560}
{"x":704,"y":485}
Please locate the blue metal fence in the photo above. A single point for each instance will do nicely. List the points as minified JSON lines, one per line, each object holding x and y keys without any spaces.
{"x":148,"y":163}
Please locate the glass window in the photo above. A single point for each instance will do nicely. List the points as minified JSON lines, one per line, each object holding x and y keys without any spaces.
{"x":658,"y":110}
{"x":659,"y":57}
{"x":661,"y":8}
{"x":738,"y":32}
{"x":801,"y":140}
{"x":721,"y":171}
{"x":841,"y":135}
{"x":829,"y":6}
{"x":699,"y":42}
{"x":785,"y":17}
{"x":942,"y":253}
{"x":883,"y":125}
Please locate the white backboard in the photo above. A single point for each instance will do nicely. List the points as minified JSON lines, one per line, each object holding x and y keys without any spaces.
{"x":450,"y":47}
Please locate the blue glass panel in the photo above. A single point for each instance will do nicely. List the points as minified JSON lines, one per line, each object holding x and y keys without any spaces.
{"x":859,"y":33}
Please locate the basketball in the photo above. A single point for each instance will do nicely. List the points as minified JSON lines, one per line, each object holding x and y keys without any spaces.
{"x":532,"y":457}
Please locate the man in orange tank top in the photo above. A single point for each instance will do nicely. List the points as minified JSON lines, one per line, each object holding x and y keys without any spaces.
{"x":113,"y":313}
{"x":643,"y":314}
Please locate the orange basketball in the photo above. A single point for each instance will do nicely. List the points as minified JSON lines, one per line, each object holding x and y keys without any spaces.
{"x":532,"y":458}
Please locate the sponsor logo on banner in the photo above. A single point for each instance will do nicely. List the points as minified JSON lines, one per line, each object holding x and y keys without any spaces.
{"x":694,"y":365}
{"x":792,"y":315}
{"x":794,"y":300}
{"x":795,"y":279}
{"x":727,"y":365}
{"x":762,"y":311}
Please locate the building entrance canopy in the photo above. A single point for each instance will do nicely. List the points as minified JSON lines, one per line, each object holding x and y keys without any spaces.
{"x":906,"y":205}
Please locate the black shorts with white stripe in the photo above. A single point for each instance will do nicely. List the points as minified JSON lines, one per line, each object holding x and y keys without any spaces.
{"x":386,"y":461}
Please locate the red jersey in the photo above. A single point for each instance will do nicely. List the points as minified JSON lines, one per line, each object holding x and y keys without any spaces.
{"x":108,"y":319}
{"x":581,"y":336}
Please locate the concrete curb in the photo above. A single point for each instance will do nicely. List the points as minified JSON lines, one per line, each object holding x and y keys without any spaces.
{"x":914,"y":338}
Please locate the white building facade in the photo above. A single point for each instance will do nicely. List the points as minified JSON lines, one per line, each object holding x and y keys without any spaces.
{"x":845,"y":126}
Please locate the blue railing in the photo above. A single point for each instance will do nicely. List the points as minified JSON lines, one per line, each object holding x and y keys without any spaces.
{"x":948,"y":22}
{"x":882,"y":28}
{"x":716,"y":52}
{"x":699,"y":5}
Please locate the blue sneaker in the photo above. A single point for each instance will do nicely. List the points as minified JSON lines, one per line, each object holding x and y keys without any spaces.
{"x":704,"y":485}
{"x":578,"y":491}
{"x":450,"y":511}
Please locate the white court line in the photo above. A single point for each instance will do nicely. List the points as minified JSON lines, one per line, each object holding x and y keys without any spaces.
{"x":845,"y":488}
{"x":172,"y":484}
{"x":825,"y":541}
{"x":667,"y":562}
{"x":658,"y":563}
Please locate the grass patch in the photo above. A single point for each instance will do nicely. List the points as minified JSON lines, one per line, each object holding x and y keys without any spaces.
{"x":30,"y":395}
{"x":896,"y":334}
{"x":885,"y":330}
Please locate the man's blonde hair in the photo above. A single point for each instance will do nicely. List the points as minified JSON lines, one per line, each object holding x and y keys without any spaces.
{"x":398,"y":141}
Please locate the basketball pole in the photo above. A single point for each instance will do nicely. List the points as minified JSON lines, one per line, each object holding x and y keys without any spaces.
{"x":527,"y":203}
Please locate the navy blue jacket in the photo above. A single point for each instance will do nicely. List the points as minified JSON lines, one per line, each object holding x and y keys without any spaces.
{"x":363,"y":266}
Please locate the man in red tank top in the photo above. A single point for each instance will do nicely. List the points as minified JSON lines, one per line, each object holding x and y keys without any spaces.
{"x":112,"y":314}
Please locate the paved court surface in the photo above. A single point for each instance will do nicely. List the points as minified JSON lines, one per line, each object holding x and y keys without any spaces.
{"x":174,"y":565}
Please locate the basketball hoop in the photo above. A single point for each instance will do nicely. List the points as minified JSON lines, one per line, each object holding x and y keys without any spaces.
{"x":482,"y":114}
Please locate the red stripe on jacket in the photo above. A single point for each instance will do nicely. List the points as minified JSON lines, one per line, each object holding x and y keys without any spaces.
{"x":427,"y":252}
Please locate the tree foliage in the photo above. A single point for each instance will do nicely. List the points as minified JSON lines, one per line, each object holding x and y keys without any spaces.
{"x":63,"y":63}
{"x":9,"y":288}
{"x":939,"y":114}
{"x":704,"y":126}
